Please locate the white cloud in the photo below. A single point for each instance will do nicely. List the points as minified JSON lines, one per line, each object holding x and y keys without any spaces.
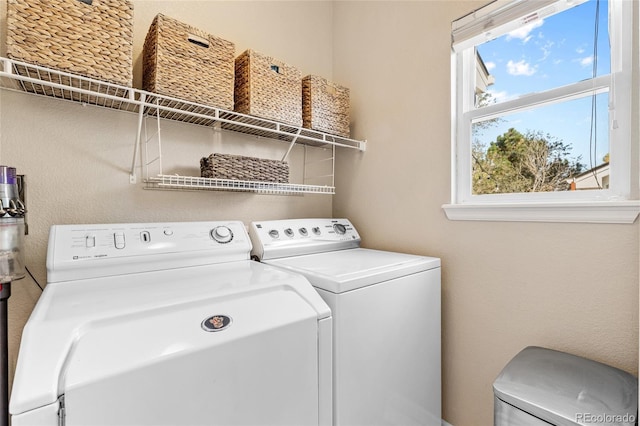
{"x":546,"y":50}
{"x":585,"y":62}
{"x":520,"y":68}
{"x":523,"y":33}
{"x":490,"y":65}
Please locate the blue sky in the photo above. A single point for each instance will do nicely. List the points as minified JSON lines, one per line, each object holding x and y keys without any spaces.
{"x":549,"y":53}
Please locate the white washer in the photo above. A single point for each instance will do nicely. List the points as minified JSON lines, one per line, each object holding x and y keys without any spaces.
{"x":386,"y":318}
{"x":171,"y":324}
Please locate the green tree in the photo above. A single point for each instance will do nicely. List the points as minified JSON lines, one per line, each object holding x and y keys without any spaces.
{"x":533,"y":162}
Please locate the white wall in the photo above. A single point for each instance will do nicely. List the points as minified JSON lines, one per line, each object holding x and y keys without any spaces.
{"x":77,"y":158}
{"x":571,"y":287}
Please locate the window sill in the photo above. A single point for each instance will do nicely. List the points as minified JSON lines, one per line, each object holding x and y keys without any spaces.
{"x":576,"y":212}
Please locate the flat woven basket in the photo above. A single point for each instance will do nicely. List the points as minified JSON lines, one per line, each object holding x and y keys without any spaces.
{"x":91,"y":38}
{"x":238,"y":167}
{"x":187,"y":63}
{"x":268,"y":88}
{"x":325,"y":106}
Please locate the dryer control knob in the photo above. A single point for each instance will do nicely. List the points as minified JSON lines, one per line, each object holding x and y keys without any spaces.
{"x":339,"y":228}
{"x":222,"y":234}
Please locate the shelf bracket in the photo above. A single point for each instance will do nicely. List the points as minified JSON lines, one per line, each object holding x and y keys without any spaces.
{"x":136,"y":149}
{"x":293,"y":142}
{"x":6,"y":66}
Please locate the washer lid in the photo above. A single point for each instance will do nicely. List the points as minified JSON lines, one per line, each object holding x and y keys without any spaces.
{"x":70,"y":314}
{"x":345,"y":270}
{"x":568,"y":390}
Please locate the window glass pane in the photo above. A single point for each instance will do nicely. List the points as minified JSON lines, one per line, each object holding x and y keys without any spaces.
{"x":549,"y":148}
{"x":547,"y":53}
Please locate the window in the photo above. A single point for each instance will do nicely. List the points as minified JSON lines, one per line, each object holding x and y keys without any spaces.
{"x":541,"y":112}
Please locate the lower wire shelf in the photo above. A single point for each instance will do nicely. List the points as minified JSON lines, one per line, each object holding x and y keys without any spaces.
{"x":177,"y":182}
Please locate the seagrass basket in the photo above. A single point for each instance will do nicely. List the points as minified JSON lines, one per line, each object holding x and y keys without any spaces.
{"x":239,"y":167}
{"x":325,"y":106}
{"x":268,"y":88}
{"x":90,"y":38}
{"x":185,"y":62}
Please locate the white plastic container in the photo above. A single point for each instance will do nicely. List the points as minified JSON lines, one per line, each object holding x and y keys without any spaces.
{"x":541,"y":386}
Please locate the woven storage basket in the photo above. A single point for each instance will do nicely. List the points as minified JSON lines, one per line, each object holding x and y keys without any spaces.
{"x":238,"y":167}
{"x":325,"y":106}
{"x":92,"y":39}
{"x":187,"y":63}
{"x":268,"y":88}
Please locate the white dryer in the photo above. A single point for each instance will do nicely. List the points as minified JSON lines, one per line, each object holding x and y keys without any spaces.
{"x":386,"y":318}
{"x":171,"y":324}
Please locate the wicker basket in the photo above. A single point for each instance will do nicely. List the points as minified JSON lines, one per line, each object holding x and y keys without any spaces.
{"x":91,"y":38}
{"x":238,"y":167}
{"x":268,"y":88}
{"x":187,"y":63}
{"x":325,"y":106}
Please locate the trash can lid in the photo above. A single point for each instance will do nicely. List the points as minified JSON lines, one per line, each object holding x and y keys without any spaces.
{"x":568,"y":390}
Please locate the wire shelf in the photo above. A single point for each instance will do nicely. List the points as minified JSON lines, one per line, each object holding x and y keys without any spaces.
{"x":177,"y":182}
{"x":47,"y":82}
{"x":20,"y":76}
{"x":61,"y":85}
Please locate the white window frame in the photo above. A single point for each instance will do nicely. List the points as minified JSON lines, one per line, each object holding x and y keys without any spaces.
{"x":614,"y":205}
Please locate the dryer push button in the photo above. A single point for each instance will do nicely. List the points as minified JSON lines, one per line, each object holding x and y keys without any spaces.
{"x":118,"y":240}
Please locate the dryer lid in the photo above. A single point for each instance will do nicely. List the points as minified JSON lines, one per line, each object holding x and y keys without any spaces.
{"x":346,"y":270}
{"x":90,"y":330}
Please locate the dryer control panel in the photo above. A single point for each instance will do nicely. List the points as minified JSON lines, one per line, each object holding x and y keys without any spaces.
{"x":96,"y":250}
{"x":294,"y":237}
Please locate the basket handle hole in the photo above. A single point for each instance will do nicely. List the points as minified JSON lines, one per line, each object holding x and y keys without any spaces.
{"x":198,"y":41}
{"x":331,"y":90}
{"x":275,"y":68}
{"x":89,"y":2}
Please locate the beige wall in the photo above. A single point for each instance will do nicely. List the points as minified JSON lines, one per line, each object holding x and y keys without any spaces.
{"x":572,"y":287}
{"x":505,"y":285}
{"x":77,"y":158}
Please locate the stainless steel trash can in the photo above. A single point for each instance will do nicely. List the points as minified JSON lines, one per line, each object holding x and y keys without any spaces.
{"x":541,"y":386}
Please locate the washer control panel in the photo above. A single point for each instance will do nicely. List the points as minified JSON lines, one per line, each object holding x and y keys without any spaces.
{"x":280,"y":238}
{"x":149,"y":246}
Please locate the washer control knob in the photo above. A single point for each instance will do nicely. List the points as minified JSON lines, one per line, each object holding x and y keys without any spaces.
{"x":339,"y":228}
{"x":274,"y":234}
{"x":303,"y":232}
{"x":222,"y":234}
{"x":289,"y":232}
{"x":316,"y":230}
